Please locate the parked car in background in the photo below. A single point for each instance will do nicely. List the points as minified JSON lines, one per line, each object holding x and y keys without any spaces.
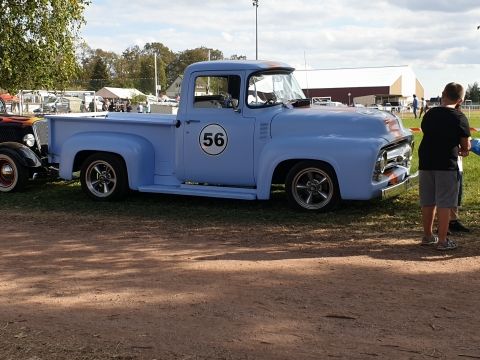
{"x":63,"y":105}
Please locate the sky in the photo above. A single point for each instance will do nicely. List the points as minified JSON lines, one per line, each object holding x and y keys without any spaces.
{"x":438,"y":38}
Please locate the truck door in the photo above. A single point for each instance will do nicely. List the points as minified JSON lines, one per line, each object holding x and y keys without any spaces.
{"x":218,"y":140}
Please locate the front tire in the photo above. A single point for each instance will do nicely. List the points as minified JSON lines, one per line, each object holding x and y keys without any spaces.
{"x":13,"y":175}
{"x":312,"y":185}
{"x":104,"y":177}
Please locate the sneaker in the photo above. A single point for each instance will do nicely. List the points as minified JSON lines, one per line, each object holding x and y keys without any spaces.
{"x":432,"y":240}
{"x":448,"y":245}
{"x":457,"y":226}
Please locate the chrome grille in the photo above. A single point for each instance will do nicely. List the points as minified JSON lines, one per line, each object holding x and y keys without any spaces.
{"x":399,"y":155}
{"x":40,"y":130}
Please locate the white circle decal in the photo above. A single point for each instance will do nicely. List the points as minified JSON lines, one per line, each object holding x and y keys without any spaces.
{"x":213,"y":139}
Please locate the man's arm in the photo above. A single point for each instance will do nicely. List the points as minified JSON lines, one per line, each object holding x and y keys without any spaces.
{"x":465,"y":146}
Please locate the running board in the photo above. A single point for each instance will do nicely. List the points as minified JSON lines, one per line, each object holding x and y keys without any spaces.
{"x":202,"y":190}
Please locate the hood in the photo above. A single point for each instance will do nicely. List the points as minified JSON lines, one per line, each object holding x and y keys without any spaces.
{"x":341,"y":122}
{"x":17,"y":119}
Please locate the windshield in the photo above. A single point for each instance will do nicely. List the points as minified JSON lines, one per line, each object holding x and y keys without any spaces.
{"x":270,"y":88}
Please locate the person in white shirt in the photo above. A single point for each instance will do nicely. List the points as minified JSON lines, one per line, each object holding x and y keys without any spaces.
{"x":423,"y":108}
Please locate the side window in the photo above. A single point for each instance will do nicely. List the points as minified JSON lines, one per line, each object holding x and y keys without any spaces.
{"x":217,"y":91}
{"x":2,"y":107}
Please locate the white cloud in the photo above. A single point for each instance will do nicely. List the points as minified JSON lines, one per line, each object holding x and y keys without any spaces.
{"x":432,"y":36}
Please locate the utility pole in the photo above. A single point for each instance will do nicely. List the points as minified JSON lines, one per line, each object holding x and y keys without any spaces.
{"x":255,"y":3}
{"x":156,"y":81}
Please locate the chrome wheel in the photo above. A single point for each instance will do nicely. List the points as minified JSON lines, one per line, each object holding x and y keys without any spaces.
{"x":101,"y":178}
{"x":104,"y":177}
{"x":311,"y":186}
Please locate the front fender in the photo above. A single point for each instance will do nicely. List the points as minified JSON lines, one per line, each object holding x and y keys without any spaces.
{"x":137,"y":152}
{"x":352,"y":159}
{"x":26,"y":156}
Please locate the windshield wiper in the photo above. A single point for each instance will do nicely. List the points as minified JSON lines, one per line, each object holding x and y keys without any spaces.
{"x":296,"y":103}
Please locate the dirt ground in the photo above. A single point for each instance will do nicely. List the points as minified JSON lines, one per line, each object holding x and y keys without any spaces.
{"x":90,"y":287}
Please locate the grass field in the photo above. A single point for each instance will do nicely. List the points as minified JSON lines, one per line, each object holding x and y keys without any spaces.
{"x":376,"y":215}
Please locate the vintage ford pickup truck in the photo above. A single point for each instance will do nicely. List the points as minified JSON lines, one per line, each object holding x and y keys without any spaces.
{"x":241,"y":126}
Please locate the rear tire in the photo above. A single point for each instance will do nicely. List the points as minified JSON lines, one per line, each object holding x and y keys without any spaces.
{"x":13,"y":175}
{"x":104,"y":177}
{"x":312,"y":185}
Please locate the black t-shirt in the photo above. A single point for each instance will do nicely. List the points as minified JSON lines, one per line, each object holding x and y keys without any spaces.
{"x":442,"y":129}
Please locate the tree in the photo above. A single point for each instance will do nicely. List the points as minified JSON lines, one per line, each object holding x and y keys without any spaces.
{"x":187,"y":57}
{"x":164,"y":58}
{"x":473,"y":93}
{"x":238,"y":57}
{"x":87,"y":59}
{"x":146,"y":82}
{"x":37,"y":42}
{"x":100,"y":77}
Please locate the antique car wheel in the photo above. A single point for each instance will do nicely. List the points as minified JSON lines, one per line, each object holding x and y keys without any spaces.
{"x":312,"y":185}
{"x":103,"y":177}
{"x":13,"y":175}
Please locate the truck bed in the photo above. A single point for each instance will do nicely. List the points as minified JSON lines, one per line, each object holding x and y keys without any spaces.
{"x":158,"y":130}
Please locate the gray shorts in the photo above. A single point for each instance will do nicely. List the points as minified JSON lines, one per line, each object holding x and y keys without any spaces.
{"x":438,"y":188}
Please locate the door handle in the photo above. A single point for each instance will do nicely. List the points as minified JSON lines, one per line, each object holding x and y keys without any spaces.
{"x":192,"y":121}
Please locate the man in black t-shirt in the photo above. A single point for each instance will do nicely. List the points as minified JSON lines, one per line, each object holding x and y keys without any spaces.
{"x":446,"y":135}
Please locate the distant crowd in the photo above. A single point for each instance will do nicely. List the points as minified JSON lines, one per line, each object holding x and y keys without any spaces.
{"x":114,"y":105}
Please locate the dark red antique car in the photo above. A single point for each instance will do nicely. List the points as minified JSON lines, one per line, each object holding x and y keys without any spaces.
{"x":23,"y":149}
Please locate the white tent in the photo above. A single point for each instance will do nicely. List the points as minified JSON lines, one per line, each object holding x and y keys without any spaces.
{"x":117,"y":93}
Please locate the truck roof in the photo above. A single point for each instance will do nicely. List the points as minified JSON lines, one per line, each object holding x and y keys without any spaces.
{"x":252,"y":65}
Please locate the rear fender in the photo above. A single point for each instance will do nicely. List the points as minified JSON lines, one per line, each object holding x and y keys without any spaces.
{"x":137,"y":152}
{"x":26,"y":156}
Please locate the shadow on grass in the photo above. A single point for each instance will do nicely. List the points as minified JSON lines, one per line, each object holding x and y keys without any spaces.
{"x":68,"y":197}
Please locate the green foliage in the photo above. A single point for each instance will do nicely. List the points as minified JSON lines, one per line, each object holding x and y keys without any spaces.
{"x":238,"y":57}
{"x":187,"y":57}
{"x":100,"y":76}
{"x":135,"y":67}
{"x":473,"y":93}
{"x":37,"y":42}
{"x":137,"y":99}
{"x":164,"y":57}
{"x":146,"y":83}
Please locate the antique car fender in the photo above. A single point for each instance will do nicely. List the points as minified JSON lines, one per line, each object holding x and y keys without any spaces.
{"x":26,"y":156}
{"x":136,"y":151}
{"x":352,"y":159}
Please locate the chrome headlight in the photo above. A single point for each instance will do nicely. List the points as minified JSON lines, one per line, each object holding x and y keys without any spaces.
{"x":381,"y":163}
{"x":29,"y":140}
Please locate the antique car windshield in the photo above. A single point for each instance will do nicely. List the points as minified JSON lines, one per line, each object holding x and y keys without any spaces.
{"x":272,"y":88}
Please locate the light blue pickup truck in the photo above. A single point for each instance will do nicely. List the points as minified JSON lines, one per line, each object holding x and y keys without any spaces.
{"x":241,"y":127}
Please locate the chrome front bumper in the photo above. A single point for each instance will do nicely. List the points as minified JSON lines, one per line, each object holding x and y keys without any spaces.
{"x":397,"y":189}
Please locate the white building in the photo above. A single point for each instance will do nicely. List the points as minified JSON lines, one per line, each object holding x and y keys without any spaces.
{"x":393,"y":84}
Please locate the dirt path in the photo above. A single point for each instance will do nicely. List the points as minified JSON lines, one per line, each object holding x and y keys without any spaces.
{"x":128,"y":288}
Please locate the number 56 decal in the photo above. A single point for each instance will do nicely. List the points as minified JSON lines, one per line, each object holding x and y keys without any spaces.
{"x":213,"y":139}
